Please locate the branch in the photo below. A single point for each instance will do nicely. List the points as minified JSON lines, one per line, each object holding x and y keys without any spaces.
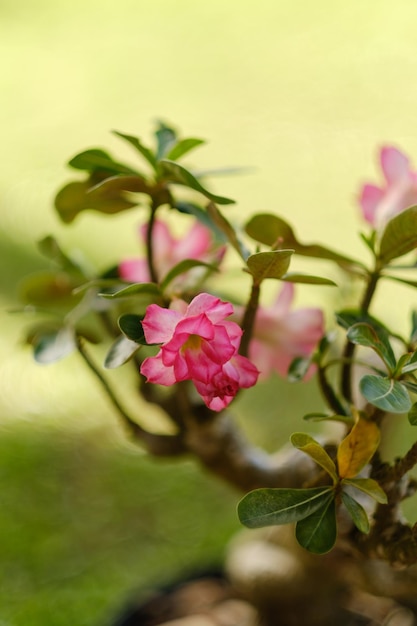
{"x":156,"y":444}
{"x":404,"y":465}
{"x":213,"y":439}
{"x":222,"y":448}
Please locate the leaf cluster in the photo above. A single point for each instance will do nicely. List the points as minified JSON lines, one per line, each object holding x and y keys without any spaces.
{"x":389,"y":387}
{"x":112,"y":186}
{"x":75,"y":304}
{"x":313,"y":510}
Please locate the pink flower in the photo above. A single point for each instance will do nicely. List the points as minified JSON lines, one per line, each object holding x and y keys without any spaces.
{"x":398,"y":192}
{"x":236,"y":374}
{"x":280,"y":335}
{"x":198,"y":344}
{"x":168,"y":251}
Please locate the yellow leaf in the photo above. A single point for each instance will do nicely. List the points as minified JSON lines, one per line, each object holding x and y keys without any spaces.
{"x":307,"y":444}
{"x":357,"y":449}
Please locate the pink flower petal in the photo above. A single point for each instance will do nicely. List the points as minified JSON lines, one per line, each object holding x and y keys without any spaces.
{"x":213,"y":307}
{"x":198,"y":349}
{"x":162,"y":238}
{"x":303,"y":330}
{"x":280,"y":334}
{"x":134,"y":271}
{"x":200,"y":367}
{"x":220,"y":389}
{"x":195,"y":359}
{"x":220,"y":349}
{"x":234,"y":332}
{"x":159,"y":323}
{"x":369,"y":200}
{"x":197,"y":325}
{"x":218,"y":392}
{"x":216,"y":403}
{"x":243,"y":370}
{"x":379,"y":204}
{"x":285,"y":297}
{"x":410,"y":195}
{"x":395,"y":164}
{"x":195,"y":244}
{"x":180,"y":366}
{"x":156,"y":372}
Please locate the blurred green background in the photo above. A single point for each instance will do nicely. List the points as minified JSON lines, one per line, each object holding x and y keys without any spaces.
{"x":305,"y":93}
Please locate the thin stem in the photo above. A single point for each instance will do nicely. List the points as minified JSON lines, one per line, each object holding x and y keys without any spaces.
{"x":149,"y":245}
{"x":159,"y":445}
{"x":369,"y":291}
{"x":105,"y":385}
{"x":249,"y":316}
{"x":349,"y":350}
{"x":329,"y":394}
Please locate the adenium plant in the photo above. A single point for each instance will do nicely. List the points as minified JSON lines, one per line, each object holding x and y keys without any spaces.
{"x":194,"y":347}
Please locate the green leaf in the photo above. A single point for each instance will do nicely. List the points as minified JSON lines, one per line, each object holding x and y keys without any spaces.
{"x":399,"y":236}
{"x":120,"y":352}
{"x":306,"y":279}
{"x":190,"y":208}
{"x":223,"y":171}
{"x":368,"y":486}
{"x":114,"y":185}
{"x":131,"y":326}
{"x":272,"y":264}
{"x":76,"y":197}
{"x":99,"y":283}
{"x":225,"y":227}
{"x":298,"y":369}
{"x":135,"y":289}
{"x":175,"y":173}
{"x":412,"y":415}
{"x":410,"y":385}
{"x":349,"y":317}
{"x":49,"y":288}
{"x":92,"y":334}
{"x":369,"y":240}
{"x":325,"y":343}
{"x":408,"y":363}
{"x":181,"y":268}
{"x":317,"y":533}
{"x":364,"y":335}
{"x":166,"y":138}
{"x":98,"y":160}
{"x":323,"y":417}
{"x":269,"y":507}
{"x":144,"y":151}
{"x":386,"y":394}
{"x":356,"y":512}
{"x":49,"y":247}
{"x":402,"y":281}
{"x":413,"y":333}
{"x":310,"y":446}
{"x":182,"y":147}
{"x":52,"y":345}
{"x":272,"y":230}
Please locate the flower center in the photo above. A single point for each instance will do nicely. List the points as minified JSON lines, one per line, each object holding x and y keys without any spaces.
{"x":193,"y":343}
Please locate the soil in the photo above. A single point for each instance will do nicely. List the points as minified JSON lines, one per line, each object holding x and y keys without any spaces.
{"x":209,"y":599}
